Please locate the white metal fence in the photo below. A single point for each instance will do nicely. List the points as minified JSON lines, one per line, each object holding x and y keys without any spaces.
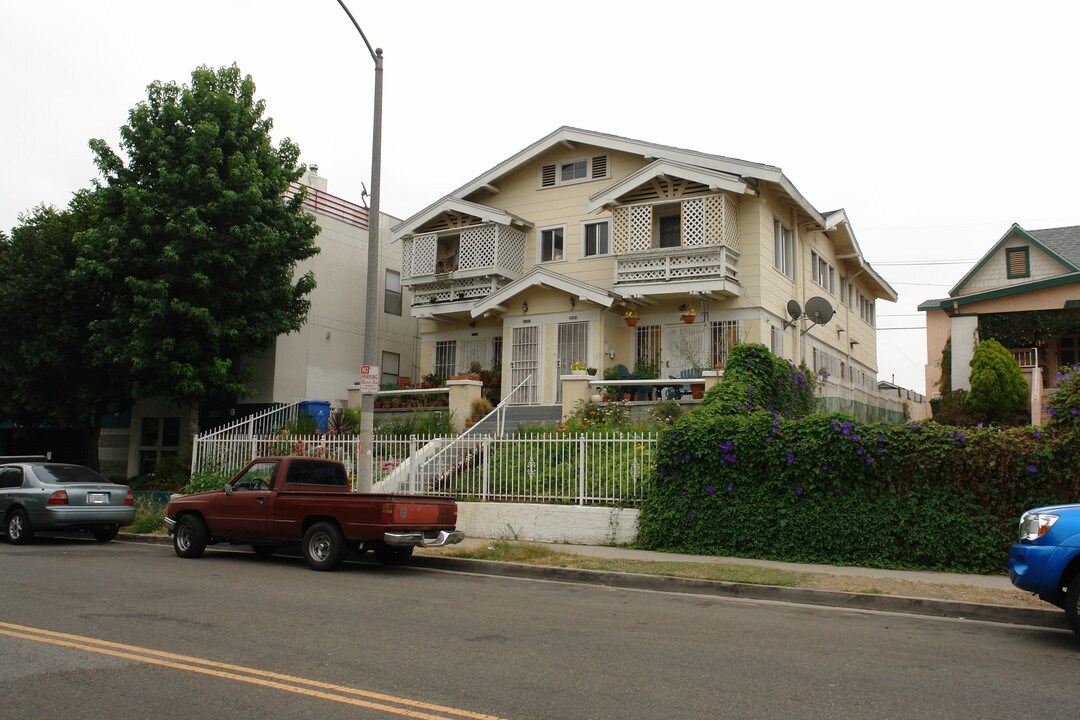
{"x":611,"y":469}
{"x":228,"y":448}
{"x":226,"y":455}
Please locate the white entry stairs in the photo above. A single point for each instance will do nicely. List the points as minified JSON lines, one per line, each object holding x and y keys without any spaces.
{"x":431,"y":462}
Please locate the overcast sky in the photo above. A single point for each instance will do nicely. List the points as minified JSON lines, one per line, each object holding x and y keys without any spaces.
{"x":935,"y":125}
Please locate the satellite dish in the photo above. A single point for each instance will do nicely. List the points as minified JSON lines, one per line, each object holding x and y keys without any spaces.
{"x":819,"y":310}
{"x":794,"y":309}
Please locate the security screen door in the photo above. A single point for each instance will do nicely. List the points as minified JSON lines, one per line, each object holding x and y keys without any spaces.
{"x":525,"y":363}
{"x":572,"y":345}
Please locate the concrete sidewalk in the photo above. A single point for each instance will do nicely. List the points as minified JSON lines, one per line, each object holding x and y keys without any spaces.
{"x":1048,"y":617}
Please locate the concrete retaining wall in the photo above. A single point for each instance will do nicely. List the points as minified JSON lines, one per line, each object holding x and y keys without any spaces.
{"x":548,"y":523}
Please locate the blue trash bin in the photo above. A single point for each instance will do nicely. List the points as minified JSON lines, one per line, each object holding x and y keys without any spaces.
{"x":318,"y":409}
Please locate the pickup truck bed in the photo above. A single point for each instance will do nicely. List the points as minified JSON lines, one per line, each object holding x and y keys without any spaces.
{"x":279,"y":501}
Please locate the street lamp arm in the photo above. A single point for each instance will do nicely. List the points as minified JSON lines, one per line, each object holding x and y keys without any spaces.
{"x":374,"y":53}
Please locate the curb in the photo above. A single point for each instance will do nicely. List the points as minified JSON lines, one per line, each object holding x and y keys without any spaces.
{"x":1034,"y":617}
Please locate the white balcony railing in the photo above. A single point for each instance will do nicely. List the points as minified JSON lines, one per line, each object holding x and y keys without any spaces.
{"x":662,"y":265}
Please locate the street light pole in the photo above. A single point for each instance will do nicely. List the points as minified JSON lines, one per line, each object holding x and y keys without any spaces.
{"x":371,"y":303}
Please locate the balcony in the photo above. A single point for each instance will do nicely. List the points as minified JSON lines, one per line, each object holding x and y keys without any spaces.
{"x":710,"y":269}
{"x":458,"y":268}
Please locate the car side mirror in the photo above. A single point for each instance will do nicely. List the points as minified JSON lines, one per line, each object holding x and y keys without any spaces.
{"x":228,"y":489}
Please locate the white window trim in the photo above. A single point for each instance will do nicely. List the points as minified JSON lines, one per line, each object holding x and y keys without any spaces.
{"x":817,"y":263}
{"x":789,"y":256}
{"x":540,"y":245}
{"x":584,"y":224}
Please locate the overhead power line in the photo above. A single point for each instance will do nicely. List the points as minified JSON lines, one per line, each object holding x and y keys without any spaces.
{"x":919,"y":263}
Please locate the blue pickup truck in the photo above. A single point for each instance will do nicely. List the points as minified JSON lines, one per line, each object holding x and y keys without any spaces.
{"x":1046,"y":560}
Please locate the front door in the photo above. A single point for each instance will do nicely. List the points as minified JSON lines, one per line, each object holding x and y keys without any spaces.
{"x":572,"y":346}
{"x":525,"y":364}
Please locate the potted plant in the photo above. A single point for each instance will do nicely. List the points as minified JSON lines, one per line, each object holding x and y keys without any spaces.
{"x":630,"y":317}
{"x":480,"y":407}
{"x":591,"y":371}
{"x":578,"y":368}
{"x":687,"y":313}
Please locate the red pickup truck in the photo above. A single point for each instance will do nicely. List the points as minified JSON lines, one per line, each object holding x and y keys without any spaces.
{"x":279,"y":501}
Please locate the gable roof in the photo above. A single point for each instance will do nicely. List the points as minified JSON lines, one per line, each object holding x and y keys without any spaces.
{"x":1067,"y":239}
{"x":457,"y":206}
{"x":712,"y":178}
{"x":542,"y":277}
{"x":569,"y":136}
{"x":715,"y":170}
{"x":839,"y":230}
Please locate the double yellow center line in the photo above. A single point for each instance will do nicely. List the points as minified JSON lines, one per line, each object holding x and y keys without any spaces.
{"x":252,"y":676}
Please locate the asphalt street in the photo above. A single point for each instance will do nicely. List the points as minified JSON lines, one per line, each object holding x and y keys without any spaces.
{"x":145,"y":634}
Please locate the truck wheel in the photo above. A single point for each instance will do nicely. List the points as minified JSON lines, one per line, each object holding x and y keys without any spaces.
{"x":324,"y":546}
{"x":19,"y":531}
{"x":1072,"y":604}
{"x":105,"y":533}
{"x":190,"y":537}
{"x":390,"y":555}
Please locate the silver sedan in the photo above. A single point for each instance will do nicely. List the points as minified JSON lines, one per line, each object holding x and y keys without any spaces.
{"x":58,"y":496}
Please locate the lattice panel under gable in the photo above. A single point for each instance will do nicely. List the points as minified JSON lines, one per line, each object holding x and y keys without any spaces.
{"x":620,"y":230}
{"x":406,"y":259}
{"x":511,"y":253}
{"x":423,"y":254}
{"x":693,"y":223}
{"x":478,"y":247}
{"x":731,"y":223}
{"x":640,"y":228}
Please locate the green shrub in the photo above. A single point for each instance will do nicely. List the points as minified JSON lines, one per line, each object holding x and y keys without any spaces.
{"x":665,"y":412}
{"x":420,"y":423}
{"x":202,"y":482}
{"x":343,"y":421}
{"x":1063,"y":407}
{"x":755,"y":379}
{"x":149,"y":516}
{"x":998,"y":389}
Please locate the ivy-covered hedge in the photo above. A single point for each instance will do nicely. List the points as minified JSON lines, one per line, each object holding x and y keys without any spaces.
{"x":828,"y":490}
{"x":748,"y":481}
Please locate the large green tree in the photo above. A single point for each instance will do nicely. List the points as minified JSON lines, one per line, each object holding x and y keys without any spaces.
{"x":50,"y":374}
{"x":196,"y":240}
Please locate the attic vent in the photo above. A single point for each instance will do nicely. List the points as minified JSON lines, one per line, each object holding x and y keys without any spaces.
{"x":599,"y":166}
{"x":574,"y":171}
{"x":547,"y":176}
{"x":1017,"y":262}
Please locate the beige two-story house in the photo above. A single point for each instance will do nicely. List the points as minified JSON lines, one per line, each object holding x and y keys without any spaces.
{"x":535,"y":264}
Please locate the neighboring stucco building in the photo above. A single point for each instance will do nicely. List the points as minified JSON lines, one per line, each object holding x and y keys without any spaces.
{"x":319,"y":362}
{"x":1025,"y":293}
{"x":533,"y":264}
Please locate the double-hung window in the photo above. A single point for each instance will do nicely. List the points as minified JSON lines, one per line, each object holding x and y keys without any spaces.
{"x":866,"y":309}
{"x":783,"y":249}
{"x":392,"y":294}
{"x":552,"y":244}
{"x":595,"y":238}
{"x":823,"y":272}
